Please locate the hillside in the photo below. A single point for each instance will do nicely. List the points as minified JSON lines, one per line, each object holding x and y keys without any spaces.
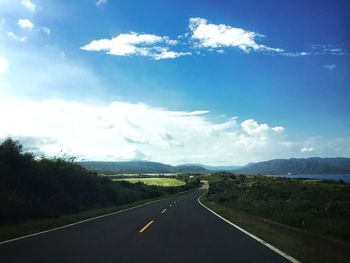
{"x":300,"y":166}
{"x":140,"y":167}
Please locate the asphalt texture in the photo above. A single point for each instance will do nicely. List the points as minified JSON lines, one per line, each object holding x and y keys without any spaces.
{"x":184,"y":232}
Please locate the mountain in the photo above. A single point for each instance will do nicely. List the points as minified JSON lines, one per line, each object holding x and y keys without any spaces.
{"x":217,"y":167}
{"x":300,"y":166}
{"x":222,"y":167}
{"x":188,"y":169}
{"x":272,"y":167}
{"x":140,"y":167}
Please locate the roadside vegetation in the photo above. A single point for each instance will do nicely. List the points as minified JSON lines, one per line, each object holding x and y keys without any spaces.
{"x":281,"y":210}
{"x":35,"y":189}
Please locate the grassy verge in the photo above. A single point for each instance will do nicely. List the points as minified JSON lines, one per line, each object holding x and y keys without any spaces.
{"x":304,"y":246}
{"x":33,"y":226}
{"x":164,"y":182}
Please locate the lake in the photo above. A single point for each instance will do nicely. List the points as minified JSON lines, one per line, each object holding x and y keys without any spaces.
{"x":344,"y":177}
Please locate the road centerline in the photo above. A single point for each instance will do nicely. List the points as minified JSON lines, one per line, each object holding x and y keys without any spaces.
{"x":146,"y":226}
{"x":163,"y":210}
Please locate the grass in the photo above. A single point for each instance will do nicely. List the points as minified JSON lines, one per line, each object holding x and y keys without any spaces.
{"x":319,"y":206}
{"x":308,"y":219}
{"x":306,"y":247}
{"x":164,"y":182}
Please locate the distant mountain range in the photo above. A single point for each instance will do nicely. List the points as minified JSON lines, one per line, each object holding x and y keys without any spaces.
{"x":137,"y":167}
{"x":299,"y":166}
{"x":223,"y":167}
{"x":219,"y":167}
{"x":272,"y":167}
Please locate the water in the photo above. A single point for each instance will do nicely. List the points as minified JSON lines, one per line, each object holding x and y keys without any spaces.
{"x":344,"y":177}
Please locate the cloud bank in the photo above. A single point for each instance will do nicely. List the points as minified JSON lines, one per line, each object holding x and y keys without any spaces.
{"x":127,"y":131}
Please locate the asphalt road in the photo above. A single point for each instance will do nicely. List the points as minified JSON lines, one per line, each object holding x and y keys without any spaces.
{"x":177,"y":229}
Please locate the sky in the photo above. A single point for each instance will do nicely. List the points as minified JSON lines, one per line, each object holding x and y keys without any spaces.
{"x":210,"y":82}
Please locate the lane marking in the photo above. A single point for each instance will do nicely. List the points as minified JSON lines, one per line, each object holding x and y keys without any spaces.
{"x":163,"y":210}
{"x":171,"y":205}
{"x":145,"y":227}
{"x":87,"y":220}
{"x":275,"y":249}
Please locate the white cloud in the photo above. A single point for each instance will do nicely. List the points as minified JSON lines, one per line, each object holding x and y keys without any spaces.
{"x":251,"y":127}
{"x":126,"y":131}
{"x":190,"y":113}
{"x":170,"y":54}
{"x":330,"y":67}
{"x":14,"y":36}
{"x":29,"y":5}
{"x":25,"y":23}
{"x":134,"y":44}
{"x":206,"y":35}
{"x":295,"y":54}
{"x":307,"y":149}
{"x":101,"y":2}
{"x":46,"y":30}
{"x":171,"y":42}
{"x":327,"y":49}
{"x":203,"y":35}
{"x":2,"y":22}
{"x":317,"y":49}
{"x":4,"y":65}
{"x":278,"y":129}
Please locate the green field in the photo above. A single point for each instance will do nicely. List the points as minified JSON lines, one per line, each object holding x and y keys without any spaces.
{"x":165,"y":182}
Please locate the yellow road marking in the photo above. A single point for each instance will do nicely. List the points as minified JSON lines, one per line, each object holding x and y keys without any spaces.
{"x":163,"y":210}
{"x":145,"y":227}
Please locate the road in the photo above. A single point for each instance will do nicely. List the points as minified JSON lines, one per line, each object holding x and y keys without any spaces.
{"x":177,"y":229}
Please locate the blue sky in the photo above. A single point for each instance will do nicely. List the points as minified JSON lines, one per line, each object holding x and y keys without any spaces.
{"x":230,"y":81}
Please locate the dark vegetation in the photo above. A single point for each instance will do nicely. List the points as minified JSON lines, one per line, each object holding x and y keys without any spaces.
{"x":319,"y":206}
{"x":300,"y":166}
{"x":33,"y":188}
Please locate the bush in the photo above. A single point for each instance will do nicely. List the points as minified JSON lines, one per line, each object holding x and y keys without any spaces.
{"x":31,"y":188}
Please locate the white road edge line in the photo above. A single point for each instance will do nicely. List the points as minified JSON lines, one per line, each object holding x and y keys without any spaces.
{"x":278,"y":251}
{"x":83,"y":221}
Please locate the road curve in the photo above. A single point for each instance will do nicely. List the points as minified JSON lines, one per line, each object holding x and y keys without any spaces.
{"x":177,"y":229}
